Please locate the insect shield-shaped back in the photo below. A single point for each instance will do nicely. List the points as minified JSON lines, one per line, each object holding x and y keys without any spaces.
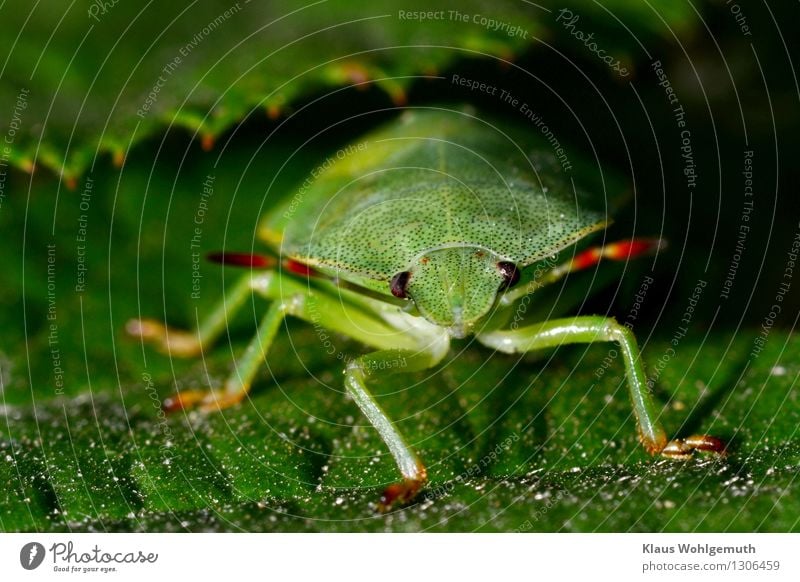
{"x":442,"y":208}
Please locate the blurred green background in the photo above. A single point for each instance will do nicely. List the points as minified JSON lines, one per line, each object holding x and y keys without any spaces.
{"x":112,"y":119}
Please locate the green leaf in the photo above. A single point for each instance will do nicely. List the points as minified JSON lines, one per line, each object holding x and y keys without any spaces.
{"x":535,"y":451}
{"x":79,"y":82}
{"x":540,"y":443}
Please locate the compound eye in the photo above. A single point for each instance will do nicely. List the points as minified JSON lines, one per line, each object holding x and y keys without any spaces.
{"x":510,"y":274}
{"x":399,"y":283}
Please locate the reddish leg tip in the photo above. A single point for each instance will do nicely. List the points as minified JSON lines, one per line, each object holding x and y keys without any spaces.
{"x":241,"y":260}
{"x":655,"y":443}
{"x":184,"y":400}
{"x":172,"y":405}
{"x":133,"y":327}
{"x":707,"y":443}
{"x":391,"y":495}
{"x":398,"y":494}
{"x":684,"y":448}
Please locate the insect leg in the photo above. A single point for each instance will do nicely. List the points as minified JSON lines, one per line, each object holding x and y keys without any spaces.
{"x":360,"y":320}
{"x":617,"y":251}
{"x":403,"y":343}
{"x":622,"y":250}
{"x":590,"y":329}
{"x":374,"y":323}
{"x":238,"y":383}
{"x":410,"y":466}
{"x":187,"y":344}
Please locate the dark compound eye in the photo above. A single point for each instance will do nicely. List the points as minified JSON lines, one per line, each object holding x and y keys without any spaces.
{"x":510,"y":274}
{"x":399,"y":283}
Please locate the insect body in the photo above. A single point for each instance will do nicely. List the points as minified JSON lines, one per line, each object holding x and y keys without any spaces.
{"x":434,"y":227}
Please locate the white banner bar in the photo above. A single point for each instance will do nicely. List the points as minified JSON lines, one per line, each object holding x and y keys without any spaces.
{"x":399,"y":557}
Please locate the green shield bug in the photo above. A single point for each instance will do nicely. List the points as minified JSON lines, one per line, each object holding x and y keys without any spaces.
{"x":431,"y":228}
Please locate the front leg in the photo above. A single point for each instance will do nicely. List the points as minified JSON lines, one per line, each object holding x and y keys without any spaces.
{"x":590,"y":329}
{"x":387,"y":362}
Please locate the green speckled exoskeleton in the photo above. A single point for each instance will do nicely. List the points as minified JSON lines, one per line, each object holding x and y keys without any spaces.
{"x":431,"y":228}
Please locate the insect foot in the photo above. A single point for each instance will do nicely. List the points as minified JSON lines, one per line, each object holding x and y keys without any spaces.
{"x":170,"y":341}
{"x":401,"y":493}
{"x":683,"y":448}
{"x":202,"y":400}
